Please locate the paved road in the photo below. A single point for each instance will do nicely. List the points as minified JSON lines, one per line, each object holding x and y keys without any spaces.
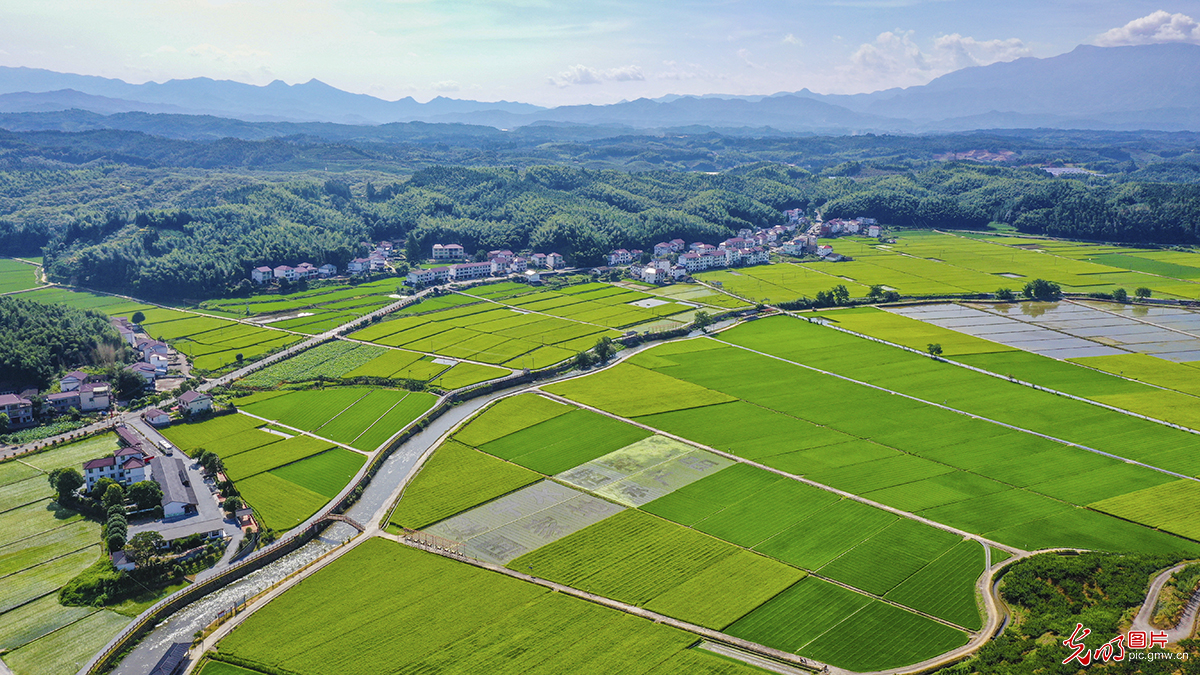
{"x":1183,"y":630}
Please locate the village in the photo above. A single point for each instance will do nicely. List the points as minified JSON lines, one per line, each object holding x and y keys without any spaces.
{"x":669,"y":261}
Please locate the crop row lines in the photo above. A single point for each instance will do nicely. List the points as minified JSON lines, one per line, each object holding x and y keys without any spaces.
{"x":806,"y":481}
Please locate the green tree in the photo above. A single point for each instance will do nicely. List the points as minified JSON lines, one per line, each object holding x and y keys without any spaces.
{"x":233,"y":504}
{"x":1142,"y":292}
{"x":604,"y":349}
{"x":138,"y":317}
{"x":143,"y":547}
{"x":210,"y":461}
{"x":126,"y":383}
{"x":116,"y":541}
{"x":4,"y":422}
{"x":114,"y":495}
{"x":1120,"y":295}
{"x":934,"y":349}
{"x":841,"y":296}
{"x":703,"y":320}
{"x":1005,"y":295}
{"x":875,"y":293}
{"x":1040,"y":289}
{"x":583,"y":360}
{"x":146,"y":494}
{"x":65,"y":481}
{"x":100,"y":487}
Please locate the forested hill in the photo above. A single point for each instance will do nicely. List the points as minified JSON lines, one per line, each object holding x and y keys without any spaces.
{"x":178,"y":219}
{"x":193,"y":235}
{"x":38,"y":341}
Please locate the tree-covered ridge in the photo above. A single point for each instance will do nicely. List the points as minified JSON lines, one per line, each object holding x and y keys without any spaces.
{"x":217,"y":227}
{"x":38,"y":342}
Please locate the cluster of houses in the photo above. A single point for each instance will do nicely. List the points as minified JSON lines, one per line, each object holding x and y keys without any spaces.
{"x":860,"y":225}
{"x":499,"y":263}
{"x":79,"y":390}
{"x":264,"y":274}
{"x":376,"y":261}
{"x":749,"y":247}
{"x":154,"y":355}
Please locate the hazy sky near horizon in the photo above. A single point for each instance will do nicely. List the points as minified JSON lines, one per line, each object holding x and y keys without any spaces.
{"x":556,"y":53}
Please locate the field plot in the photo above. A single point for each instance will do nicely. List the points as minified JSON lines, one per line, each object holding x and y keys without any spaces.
{"x":17,"y":276}
{"x":325,"y":473}
{"x":1181,"y":377}
{"x":43,"y":546}
{"x":509,"y":415}
{"x":1171,"y":507}
{"x":310,"y":311}
{"x":621,"y":390}
{"x":946,"y":587}
{"x":636,"y":558}
{"x":799,"y":615}
{"x":280,"y":503}
{"x":462,"y":620}
{"x":479,"y":328}
{"x":899,"y":328}
{"x":63,"y":651}
{"x":906,"y":545}
{"x":306,"y":409}
{"x":644,"y":471}
{"x":523,"y":521}
{"x":189,"y":437}
{"x":466,"y":374}
{"x":565,"y":441}
{"x":456,"y":478}
{"x":267,"y":457}
{"x":414,"y":405}
{"x":329,"y":360}
{"x":897,"y":637}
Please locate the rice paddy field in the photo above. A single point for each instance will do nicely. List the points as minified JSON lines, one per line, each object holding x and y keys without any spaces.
{"x":453,"y":618}
{"x":211,"y":343}
{"x":285,"y":479}
{"x":923,"y":263}
{"x":42,"y":547}
{"x":311,"y":311}
{"x":519,"y":326}
{"x":651,"y":521}
{"x":17,"y":276}
{"x":360,"y":417}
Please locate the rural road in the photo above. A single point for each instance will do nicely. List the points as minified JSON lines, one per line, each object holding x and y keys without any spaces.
{"x":1183,"y":630}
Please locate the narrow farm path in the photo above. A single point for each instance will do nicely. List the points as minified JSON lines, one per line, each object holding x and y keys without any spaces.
{"x":301,"y":432}
{"x":1182,"y":630}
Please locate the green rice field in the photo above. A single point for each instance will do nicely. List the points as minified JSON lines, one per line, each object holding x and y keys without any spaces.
{"x":210,"y":343}
{"x":565,"y":441}
{"x":286,"y":480}
{"x":454,"y":479}
{"x":457,"y":619}
{"x":932,"y":263}
{"x":17,"y":276}
{"x":637,"y":558}
{"x":42,"y":547}
{"x":311,"y":311}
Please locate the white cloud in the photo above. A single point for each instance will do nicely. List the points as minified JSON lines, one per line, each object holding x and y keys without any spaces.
{"x":895,"y":59}
{"x":791,"y":39}
{"x":744,"y":55}
{"x":445,"y":86}
{"x":581,"y":74}
{"x":1153,"y":28}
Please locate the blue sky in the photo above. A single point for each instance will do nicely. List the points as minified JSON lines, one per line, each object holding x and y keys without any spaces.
{"x":555,"y":52}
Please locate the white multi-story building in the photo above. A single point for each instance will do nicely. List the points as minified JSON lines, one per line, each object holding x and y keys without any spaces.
{"x":448,"y":252}
{"x":465,"y":271}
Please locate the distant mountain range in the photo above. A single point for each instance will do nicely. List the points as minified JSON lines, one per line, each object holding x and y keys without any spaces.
{"x":1153,"y":87}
